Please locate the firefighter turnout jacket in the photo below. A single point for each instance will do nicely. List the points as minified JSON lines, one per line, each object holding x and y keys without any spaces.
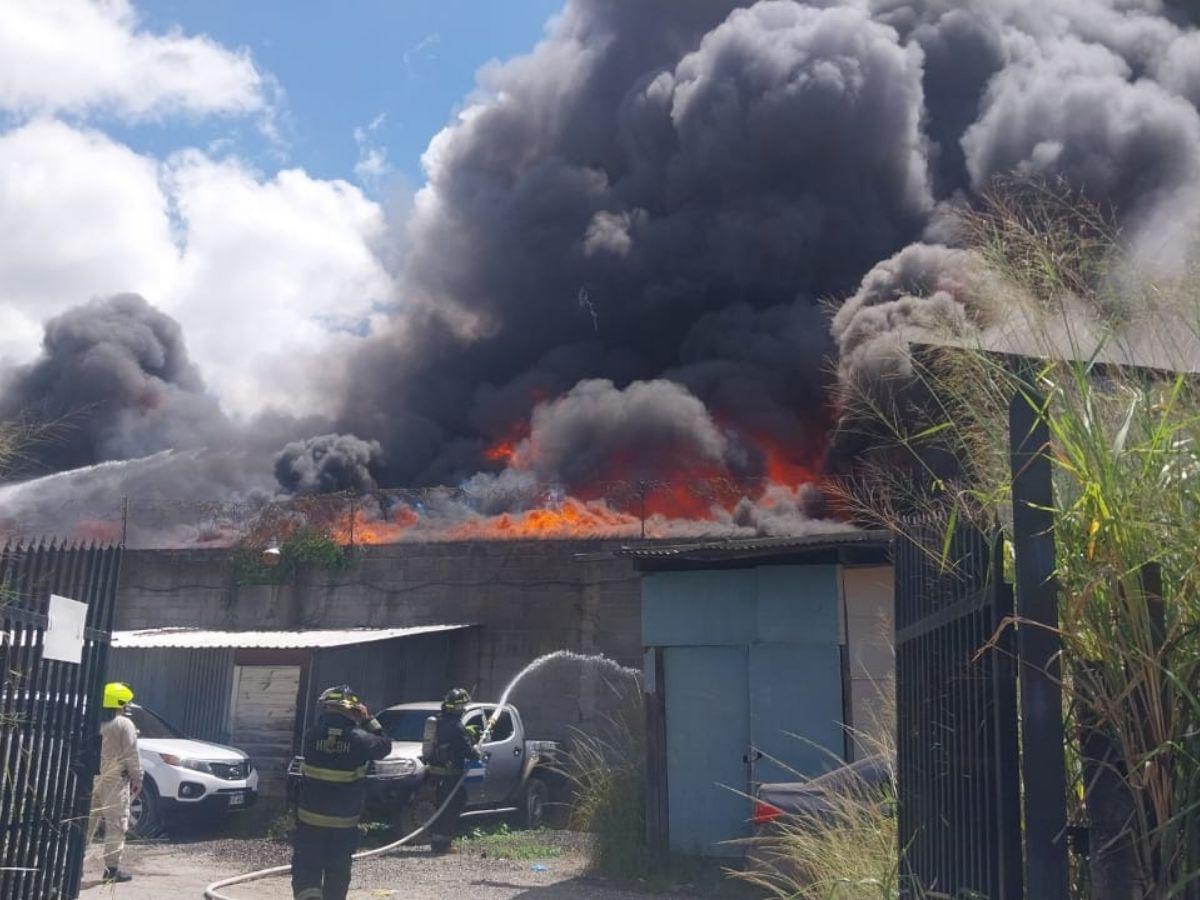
{"x":336,"y":754}
{"x":454,"y":745}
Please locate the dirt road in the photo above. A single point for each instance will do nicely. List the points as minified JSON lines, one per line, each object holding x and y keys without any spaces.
{"x":182,"y":871}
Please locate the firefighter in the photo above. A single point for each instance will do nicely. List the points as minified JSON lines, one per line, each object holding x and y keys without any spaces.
{"x":454,"y":746}
{"x":337,"y":750}
{"x":119,"y":779}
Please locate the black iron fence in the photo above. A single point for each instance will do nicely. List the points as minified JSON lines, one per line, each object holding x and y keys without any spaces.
{"x":982,"y":770}
{"x":48,"y":713}
{"x":957,"y":758}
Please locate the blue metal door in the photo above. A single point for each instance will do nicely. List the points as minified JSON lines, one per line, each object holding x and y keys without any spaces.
{"x":707,"y":740}
{"x":795,"y":710}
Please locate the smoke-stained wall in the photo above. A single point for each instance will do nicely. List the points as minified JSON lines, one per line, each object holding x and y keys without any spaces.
{"x":530,"y":598}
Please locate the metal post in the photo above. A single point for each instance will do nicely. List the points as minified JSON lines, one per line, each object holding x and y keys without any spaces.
{"x":124,"y":521}
{"x":658,"y":838}
{"x":1043,"y":767}
{"x":642,"y":488}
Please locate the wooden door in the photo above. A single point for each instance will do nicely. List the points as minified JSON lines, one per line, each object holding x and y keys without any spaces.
{"x":263,"y":718}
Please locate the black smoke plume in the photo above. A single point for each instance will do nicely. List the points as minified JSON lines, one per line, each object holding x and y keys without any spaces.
{"x":704,"y":174}
{"x":328,"y":463}
{"x":114,"y":381}
{"x":649,"y":430}
{"x":666,"y":191}
{"x":701,"y":172}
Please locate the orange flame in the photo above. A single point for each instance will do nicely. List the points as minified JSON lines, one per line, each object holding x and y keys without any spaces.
{"x":505,"y":448}
{"x":503,"y":451}
{"x":98,"y":530}
{"x":571,"y":519}
{"x":359,"y":529}
{"x":783,"y":468}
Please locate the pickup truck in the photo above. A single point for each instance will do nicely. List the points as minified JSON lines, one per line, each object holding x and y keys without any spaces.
{"x":822,"y":797}
{"x":517,"y":772}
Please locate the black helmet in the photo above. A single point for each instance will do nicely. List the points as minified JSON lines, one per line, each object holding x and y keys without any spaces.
{"x":340,"y":698}
{"x":456,"y":701}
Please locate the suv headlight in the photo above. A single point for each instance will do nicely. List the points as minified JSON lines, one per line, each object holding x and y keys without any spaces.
{"x":395,"y":768}
{"x":196,"y":765}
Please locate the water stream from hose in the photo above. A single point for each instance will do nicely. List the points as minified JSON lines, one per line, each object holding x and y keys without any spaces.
{"x":596,"y":659}
{"x":212,"y":892}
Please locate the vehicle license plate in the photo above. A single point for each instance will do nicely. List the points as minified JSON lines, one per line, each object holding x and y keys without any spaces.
{"x":237,"y":799}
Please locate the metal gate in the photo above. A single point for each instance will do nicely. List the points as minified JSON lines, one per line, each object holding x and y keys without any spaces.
{"x":48,"y":715}
{"x":959,"y":801}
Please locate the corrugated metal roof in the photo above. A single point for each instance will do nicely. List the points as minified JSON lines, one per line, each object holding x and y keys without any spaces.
{"x":766,"y":546}
{"x":192,"y":638}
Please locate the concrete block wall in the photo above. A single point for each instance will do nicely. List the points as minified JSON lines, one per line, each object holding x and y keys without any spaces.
{"x":530,"y":597}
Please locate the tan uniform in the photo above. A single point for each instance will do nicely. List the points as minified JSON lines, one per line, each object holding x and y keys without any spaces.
{"x":120,"y":768}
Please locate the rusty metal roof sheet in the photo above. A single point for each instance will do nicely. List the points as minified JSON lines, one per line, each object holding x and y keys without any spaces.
{"x":735,"y":548}
{"x":192,"y":638}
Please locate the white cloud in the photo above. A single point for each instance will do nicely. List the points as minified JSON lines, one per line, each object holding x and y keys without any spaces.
{"x":269,"y":265}
{"x":80,"y":56}
{"x":269,"y":275}
{"x":254,"y":268}
{"x":425,"y":48}
{"x":80,"y":216}
{"x":373,"y":161}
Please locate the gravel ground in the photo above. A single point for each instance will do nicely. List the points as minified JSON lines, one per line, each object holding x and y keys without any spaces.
{"x":181,"y":871}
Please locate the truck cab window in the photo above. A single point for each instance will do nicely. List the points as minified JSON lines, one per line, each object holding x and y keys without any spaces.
{"x":504,"y":728}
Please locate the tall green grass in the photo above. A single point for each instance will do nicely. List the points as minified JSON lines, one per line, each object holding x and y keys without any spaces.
{"x":1125,"y":448}
{"x":607,"y":774}
{"x":850,"y":851}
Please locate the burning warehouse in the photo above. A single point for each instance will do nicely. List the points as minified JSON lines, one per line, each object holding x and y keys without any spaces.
{"x":591,"y":387}
{"x":622,"y":280}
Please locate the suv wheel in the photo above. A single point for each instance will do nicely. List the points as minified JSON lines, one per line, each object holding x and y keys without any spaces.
{"x":416,"y":812}
{"x":145,"y":812}
{"x":534,"y":798}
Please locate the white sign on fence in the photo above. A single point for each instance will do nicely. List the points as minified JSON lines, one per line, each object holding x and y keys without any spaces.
{"x":64,"y":634}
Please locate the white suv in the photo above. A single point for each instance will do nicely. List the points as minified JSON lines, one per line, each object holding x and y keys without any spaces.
{"x":185,"y":778}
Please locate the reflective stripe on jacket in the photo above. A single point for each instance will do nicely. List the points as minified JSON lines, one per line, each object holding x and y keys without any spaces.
{"x":336,"y":753}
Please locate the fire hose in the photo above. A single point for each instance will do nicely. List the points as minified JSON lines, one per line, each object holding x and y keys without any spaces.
{"x":212,"y":892}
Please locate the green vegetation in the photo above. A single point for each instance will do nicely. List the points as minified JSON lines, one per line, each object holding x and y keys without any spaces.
{"x":608,"y":777}
{"x":1125,"y":446}
{"x":500,"y":842}
{"x":849,"y":852}
{"x":304,"y":547}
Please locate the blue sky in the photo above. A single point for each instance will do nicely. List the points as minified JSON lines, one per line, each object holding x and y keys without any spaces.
{"x":341,"y":65}
{"x":243,"y":165}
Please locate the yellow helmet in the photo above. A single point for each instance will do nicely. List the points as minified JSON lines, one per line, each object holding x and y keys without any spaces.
{"x":117,"y":694}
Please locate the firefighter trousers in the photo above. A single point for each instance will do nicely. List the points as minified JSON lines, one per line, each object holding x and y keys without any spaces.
{"x":441,"y":833}
{"x":110,"y":805}
{"x":321,"y":862}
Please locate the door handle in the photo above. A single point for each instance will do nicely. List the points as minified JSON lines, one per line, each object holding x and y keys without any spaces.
{"x":516,"y":751}
{"x":487,"y":755}
{"x":752,"y":758}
